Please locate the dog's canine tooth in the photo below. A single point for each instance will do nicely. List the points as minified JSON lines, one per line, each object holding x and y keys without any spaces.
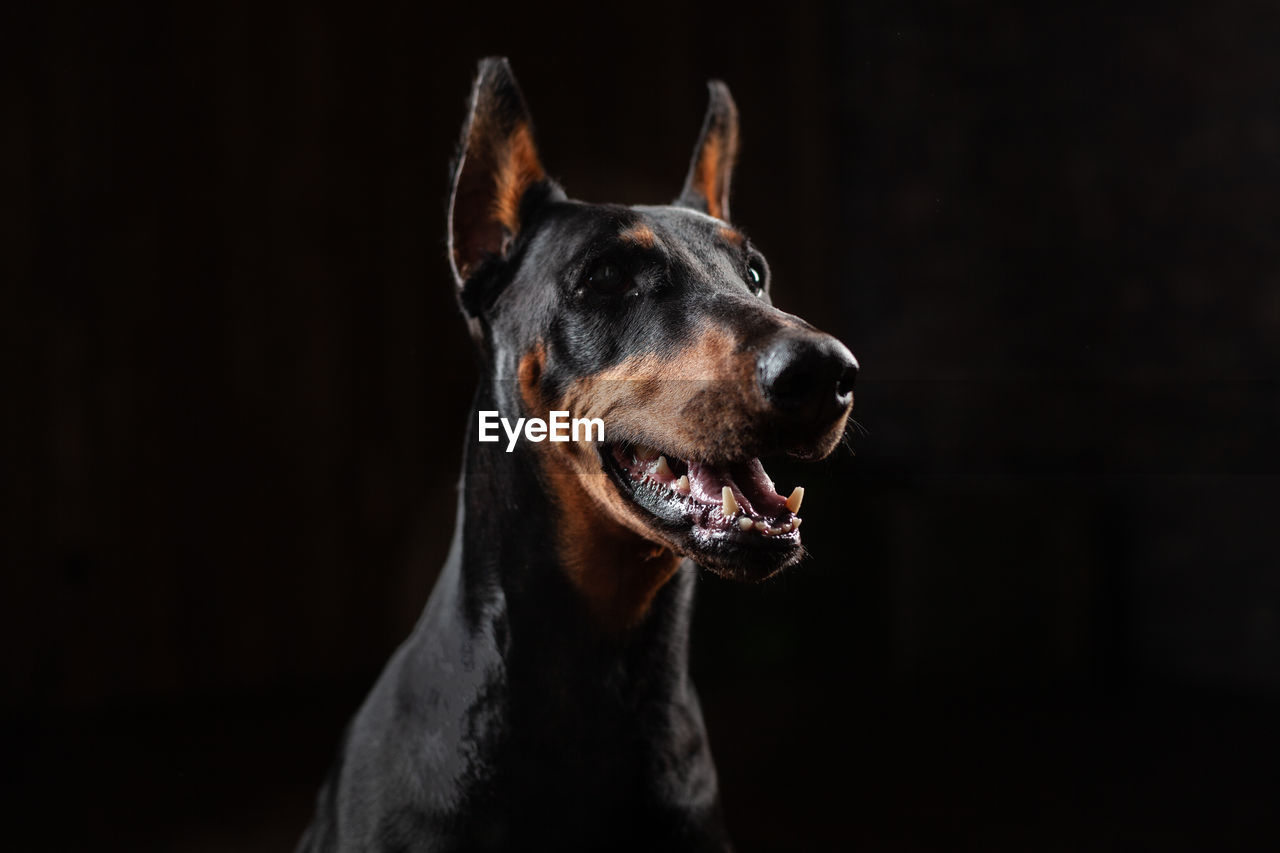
{"x":662,"y":469}
{"x":728,"y":503}
{"x":745,"y":523}
{"x":682,"y":485}
{"x":793,"y":502}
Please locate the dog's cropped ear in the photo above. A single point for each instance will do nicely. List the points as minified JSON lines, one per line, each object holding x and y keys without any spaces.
{"x":497,"y":166}
{"x":707,"y":186}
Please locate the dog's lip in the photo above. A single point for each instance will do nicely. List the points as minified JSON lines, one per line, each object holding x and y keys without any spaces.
{"x":724,"y":504}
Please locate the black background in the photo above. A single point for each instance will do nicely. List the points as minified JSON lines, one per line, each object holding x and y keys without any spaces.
{"x":1043,"y":607}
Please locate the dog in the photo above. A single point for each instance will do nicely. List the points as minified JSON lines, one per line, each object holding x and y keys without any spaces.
{"x":543,"y":698}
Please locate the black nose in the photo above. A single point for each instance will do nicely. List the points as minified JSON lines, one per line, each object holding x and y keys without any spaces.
{"x":808,"y":379}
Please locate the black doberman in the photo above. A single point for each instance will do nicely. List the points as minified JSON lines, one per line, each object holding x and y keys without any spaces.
{"x":543,"y":699}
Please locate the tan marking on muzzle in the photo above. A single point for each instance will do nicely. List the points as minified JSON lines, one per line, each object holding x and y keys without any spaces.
{"x":695,"y":402}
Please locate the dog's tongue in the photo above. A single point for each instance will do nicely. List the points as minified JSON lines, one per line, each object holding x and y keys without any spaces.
{"x":751,"y":487}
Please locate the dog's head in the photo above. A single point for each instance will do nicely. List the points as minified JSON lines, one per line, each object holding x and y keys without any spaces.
{"x":656,"y":320}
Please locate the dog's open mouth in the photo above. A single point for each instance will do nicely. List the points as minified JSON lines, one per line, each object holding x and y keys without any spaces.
{"x":717,"y":511}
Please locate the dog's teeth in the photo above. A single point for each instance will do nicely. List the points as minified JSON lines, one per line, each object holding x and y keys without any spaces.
{"x":745,"y":523}
{"x":762,"y":527}
{"x":645,"y":453}
{"x":793,"y":502}
{"x":682,"y":485}
{"x":795,"y":523}
{"x":774,"y":531}
{"x":786,"y":527}
{"x":662,"y":469}
{"x":728,"y":503}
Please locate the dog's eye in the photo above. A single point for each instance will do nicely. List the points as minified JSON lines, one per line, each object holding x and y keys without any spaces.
{"x":608,"y":278}
{"x":756,"y":275}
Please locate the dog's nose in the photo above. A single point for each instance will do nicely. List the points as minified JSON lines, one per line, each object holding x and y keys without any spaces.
{"x":807,"y":379}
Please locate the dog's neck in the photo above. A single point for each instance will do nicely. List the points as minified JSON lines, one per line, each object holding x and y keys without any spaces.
{"x":513,"y":574}
{"x":551,"y":709}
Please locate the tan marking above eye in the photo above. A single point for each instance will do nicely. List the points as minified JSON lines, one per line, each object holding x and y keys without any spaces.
{"x":729,"y":235}
{"x":639,"y":235}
